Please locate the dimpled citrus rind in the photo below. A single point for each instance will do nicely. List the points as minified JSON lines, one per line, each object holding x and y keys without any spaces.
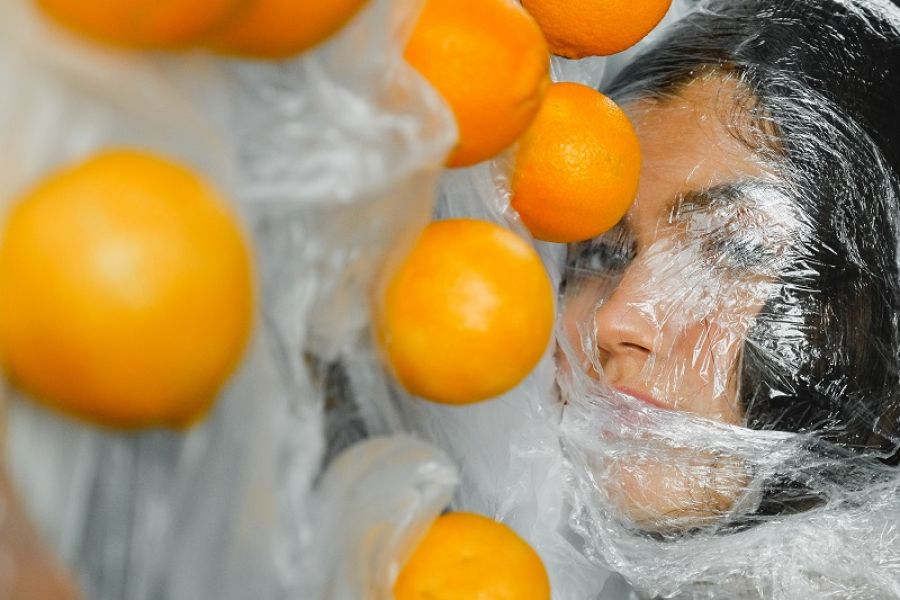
{"x":579,"y":28}
{"x":577,"y":168}
{"x":465,"y":555}
{"x":490,"y":62}
{"x":468,"y":314}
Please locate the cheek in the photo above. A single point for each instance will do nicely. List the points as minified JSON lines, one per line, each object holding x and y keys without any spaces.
{"x":705,"y":359}
{"x":675,"y":489}
{"x":579,"y":306}
{"x":697,"y":361}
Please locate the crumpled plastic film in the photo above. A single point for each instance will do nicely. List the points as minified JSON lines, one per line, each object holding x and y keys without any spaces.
{"x":330,"y":159}
{"x":388,"y":493}
{"x":511,"y":462}
{"x":730,"y":352}
{"x":725,"y":418}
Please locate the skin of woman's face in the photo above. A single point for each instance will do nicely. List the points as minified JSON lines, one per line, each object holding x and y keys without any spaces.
{"x":659,"y":308}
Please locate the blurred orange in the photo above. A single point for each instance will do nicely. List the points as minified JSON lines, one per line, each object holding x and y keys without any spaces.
{"x":468,"y":313}
{"x":490,"y":62}
{"x":127,"y":294}
{"x":579,"y":28}
{"x":141,"y":23}
{"x":282,"y":28}
{"x":578,"y":166}
{"x":467,"y":556}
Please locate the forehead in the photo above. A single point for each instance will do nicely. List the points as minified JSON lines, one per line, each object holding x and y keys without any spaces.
{"x":690,"y":141}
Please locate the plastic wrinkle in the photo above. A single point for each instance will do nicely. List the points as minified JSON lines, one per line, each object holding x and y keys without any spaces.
{"x":330,"y":159}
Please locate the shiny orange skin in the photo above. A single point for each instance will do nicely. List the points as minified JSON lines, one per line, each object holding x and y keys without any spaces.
{"x":149,"y":24}
{"x":126,"y":292}
{"x":489,"y":61}
{"x":283,"y":28}
{"x":466,"y":556}
{"x":577,"y":168}
{"x":468,"y":313}
{"x":579,"y":28}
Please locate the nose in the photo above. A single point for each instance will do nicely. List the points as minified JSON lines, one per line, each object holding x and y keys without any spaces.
{"x":626,"y":330}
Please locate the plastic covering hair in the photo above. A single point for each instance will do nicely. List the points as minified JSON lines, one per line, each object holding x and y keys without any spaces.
{"x":720,"y":417}
{"x":769,"y":288}
{"x":727,"y":398}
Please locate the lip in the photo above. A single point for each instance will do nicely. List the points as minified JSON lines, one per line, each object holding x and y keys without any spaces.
{"x":643,"y":397}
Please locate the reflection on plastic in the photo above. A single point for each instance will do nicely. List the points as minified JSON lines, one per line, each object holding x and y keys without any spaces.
{"x":728,"y":356}
{"x":729,"y":353}
{"x":330,"y":160}
{"x":373,"y":506}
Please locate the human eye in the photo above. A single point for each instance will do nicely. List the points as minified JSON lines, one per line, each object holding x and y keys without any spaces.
{"x":610,"y":254}
{"x":731,"y":227}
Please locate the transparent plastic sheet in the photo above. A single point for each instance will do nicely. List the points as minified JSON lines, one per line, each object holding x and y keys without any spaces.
{"x":330,"y":160}
{"x":508,"y":449}
{"x":731,"y":352}
{"x":738,"y":439}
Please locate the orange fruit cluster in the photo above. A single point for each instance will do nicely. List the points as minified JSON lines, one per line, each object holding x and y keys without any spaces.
{"x":577,"y":167}
{"x":127,"y":292}
{"x":490,"y":62}
{"x":579,"y":28}
{"x":465,"y":555}
{"x":467,"y":314}
{"x":252,"y":28}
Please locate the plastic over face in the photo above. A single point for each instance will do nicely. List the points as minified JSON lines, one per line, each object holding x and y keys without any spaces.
{"x":729,"y":353}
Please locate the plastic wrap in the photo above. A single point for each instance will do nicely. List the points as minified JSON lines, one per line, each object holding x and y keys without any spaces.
{"x":730,"y":353}
{"x":719,"y":417}
{"x":330,"y":160}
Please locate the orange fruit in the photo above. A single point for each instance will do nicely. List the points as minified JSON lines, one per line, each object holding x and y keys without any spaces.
{"x":126,"y":293}
{"x":468,"y":313}
{"x":282,"y":28}
{"x":466,"y":556}
{"x":577,"y":167}
{"x":141,"y":23}
{"x":490,"y":62}
{"x":579,"y":28}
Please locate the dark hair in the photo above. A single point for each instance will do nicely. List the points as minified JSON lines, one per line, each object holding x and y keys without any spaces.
{"x":824,"y":354}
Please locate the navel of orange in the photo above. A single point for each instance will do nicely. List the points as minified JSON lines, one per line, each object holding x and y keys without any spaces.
{"x":577,"y":167}
{"x":282,"y":28}
{"x":126,"y":291}
{"x":467,"y":314}
{"x":579,"y":28}
{"x":465,"y":555}
{"x":159,"y":24}
{"x":489,"y":60}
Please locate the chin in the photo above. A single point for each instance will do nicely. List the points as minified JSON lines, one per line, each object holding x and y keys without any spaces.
{"x":690,"y":490}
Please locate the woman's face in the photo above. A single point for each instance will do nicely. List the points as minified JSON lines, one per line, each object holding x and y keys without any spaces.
{"x":657,"y":310}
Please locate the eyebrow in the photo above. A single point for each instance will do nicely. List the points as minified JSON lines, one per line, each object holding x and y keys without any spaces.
{"x":733,"y":190}
{"x":704,"y":197}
